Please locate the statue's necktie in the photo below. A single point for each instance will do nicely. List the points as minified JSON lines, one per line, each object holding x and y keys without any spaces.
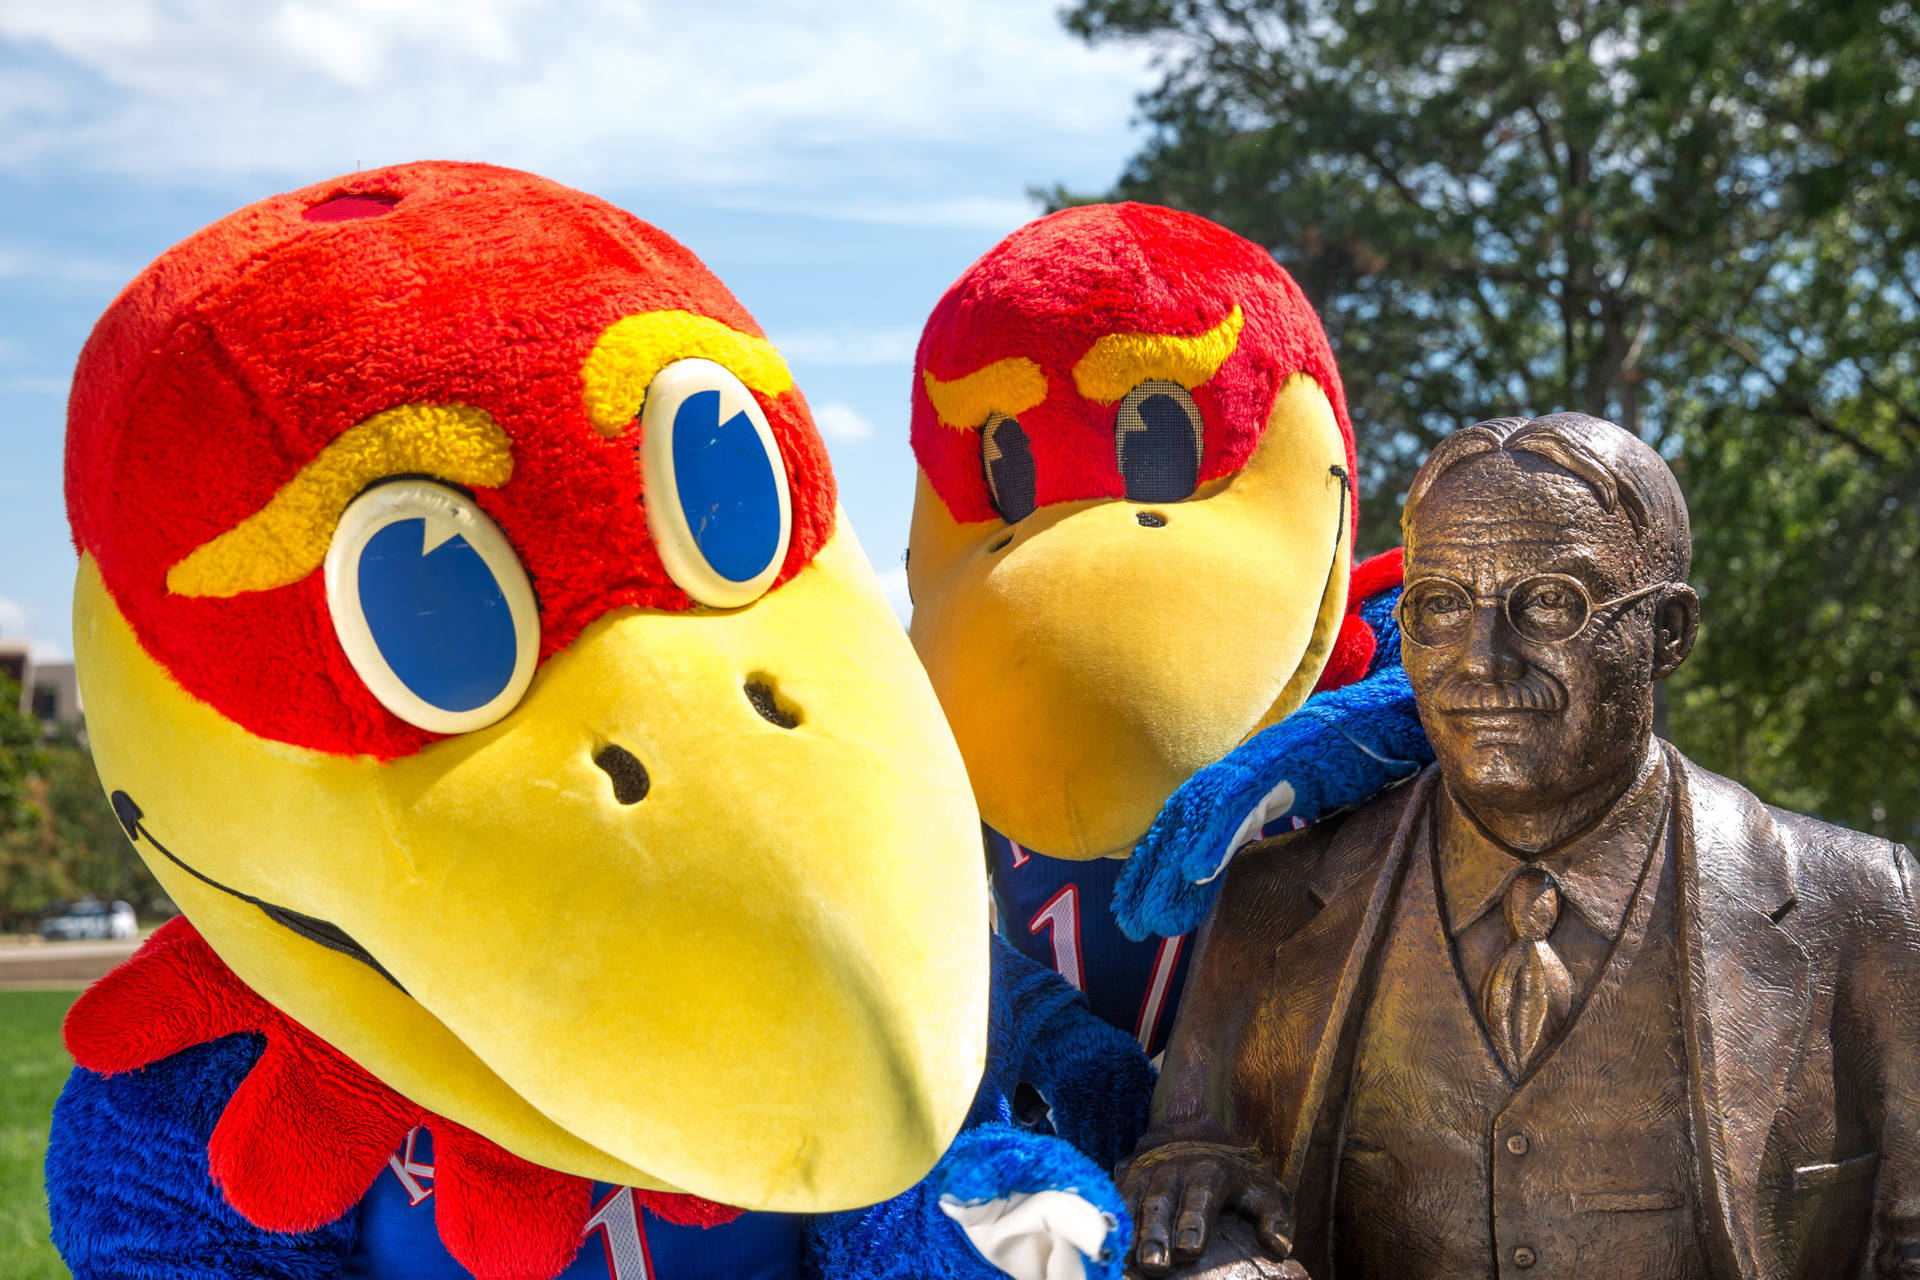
{"x":1528,"y":993}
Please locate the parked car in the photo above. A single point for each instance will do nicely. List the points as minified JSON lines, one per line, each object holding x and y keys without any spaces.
{"x":90,"y":920}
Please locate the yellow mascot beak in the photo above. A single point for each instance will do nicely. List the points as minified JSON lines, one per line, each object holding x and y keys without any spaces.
{"x":762,"y":982}
{"x":1089,"y":660}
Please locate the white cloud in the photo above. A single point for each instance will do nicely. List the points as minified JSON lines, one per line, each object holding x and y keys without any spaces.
{"x":842,"y":422}
{"x":17,"y":623}
{"x":852,"y":347}
{"x":997,"y":214}
{"x":722,"y":98}
{"x":35,"y":386}
{"x":18,"y":262}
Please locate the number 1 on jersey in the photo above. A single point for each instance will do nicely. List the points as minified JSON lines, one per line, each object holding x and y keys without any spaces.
{"x":1061,"y":918}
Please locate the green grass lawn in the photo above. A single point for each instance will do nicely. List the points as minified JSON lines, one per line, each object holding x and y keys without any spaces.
{"x":33,"y":1066}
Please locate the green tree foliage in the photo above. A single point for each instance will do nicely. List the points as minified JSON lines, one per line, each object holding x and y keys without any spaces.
{"x":23,"y":874}
{"x":100,"y":861}
{"x":1699,"y":218}
{"x":63,"y":842}
{"x":20,"y":759}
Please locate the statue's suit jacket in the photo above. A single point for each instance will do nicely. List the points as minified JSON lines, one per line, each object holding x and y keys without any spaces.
{"x":1800,"y":955}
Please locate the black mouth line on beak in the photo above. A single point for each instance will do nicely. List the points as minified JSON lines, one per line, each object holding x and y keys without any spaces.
{"x":322,"y":932}
{"x":1339,"y":473}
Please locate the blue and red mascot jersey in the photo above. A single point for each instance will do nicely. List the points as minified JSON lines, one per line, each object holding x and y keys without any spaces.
{"x":395,"y":1237}
{"x":1059,"y":912}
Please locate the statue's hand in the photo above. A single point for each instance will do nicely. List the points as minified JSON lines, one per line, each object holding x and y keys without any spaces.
{"x":1176,"y":1192}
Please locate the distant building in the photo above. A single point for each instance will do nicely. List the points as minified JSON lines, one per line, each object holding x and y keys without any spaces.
{"x":49,"y":691}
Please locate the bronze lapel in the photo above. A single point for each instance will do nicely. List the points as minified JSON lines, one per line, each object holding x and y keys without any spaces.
{"x":1349,"y":925}
{"x":1747,"y":993}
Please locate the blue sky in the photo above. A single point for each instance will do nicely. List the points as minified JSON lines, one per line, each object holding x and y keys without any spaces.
{"x":837,"y":170}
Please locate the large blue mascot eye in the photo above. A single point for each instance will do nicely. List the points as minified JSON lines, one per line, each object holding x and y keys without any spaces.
{"x":716,"y":486}
{"x":432,"y":606}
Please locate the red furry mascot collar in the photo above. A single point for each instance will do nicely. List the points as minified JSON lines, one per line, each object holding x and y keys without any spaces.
{"x":306,"y":1106}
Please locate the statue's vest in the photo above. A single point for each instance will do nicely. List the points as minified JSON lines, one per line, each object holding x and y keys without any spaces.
{"x":1449,"y":1168}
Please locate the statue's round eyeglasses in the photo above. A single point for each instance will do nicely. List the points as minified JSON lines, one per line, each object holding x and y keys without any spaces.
{"x":1548,"y":608}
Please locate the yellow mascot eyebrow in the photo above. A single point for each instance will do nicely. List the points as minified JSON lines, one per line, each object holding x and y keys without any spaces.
{"x":634,"y":349}
{"x":1119,"y":362}
{"x":287,"y":539}
{"x":1011,"y":386}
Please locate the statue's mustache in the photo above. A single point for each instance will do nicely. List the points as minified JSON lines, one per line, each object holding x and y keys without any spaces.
{"x":1535,"y":690}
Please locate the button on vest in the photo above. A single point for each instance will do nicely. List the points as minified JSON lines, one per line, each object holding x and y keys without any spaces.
{"x":1581,"y":1166}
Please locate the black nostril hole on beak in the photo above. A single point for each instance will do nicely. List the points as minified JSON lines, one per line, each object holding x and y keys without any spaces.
{"x":760,"y":692}
{"x":1151,"y":519}
{"x":1000,"y":545}
{"x":629,"y":776}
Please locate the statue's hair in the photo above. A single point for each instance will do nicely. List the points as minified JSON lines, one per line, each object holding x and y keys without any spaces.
{"x":1621,"y":469}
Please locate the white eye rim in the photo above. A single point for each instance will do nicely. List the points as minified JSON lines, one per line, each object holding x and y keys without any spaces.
{"x":398,"y":500}
{"x":666,"y":518}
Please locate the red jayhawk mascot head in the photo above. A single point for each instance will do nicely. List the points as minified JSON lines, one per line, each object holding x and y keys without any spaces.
{"x":1131,"y":538}
{"x":467,"y":623}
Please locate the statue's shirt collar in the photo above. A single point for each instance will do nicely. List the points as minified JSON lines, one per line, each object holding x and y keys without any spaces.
{"x":1596,"y":871}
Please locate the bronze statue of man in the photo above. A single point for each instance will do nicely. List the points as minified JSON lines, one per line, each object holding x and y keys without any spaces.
{"x":1568,"y":1004}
